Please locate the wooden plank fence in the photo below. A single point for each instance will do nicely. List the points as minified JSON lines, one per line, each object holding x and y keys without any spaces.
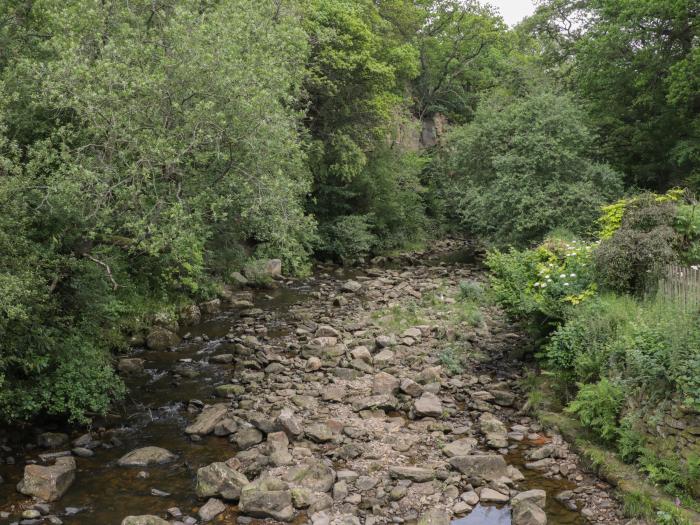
{"x":681,"y":284}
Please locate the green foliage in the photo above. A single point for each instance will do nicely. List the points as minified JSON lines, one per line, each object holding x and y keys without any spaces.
{"x":470,"y":291}
{"x":637,"y":64}
{"x":631,"y":258}
{"x":380,"y":209}
{"x":524,"y":167}
{"x":579,"y":350}
{"x":598,"y":407}
{"x":451,"y":360}
{"x":546,"y":280}
{"x":139,"y":145}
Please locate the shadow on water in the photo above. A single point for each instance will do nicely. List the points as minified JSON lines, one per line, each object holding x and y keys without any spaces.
{"x":485,"y":516}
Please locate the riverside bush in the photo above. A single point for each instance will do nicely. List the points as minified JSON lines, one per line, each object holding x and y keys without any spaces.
{"x":598,"y":407}
{"x":546,"y":280}
{"x":630,"y":259}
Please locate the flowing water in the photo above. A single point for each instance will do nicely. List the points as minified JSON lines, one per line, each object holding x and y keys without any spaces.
{"x":155,"y":413}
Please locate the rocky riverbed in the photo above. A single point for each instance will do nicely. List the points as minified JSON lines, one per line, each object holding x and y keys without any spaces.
{"x":375,"y":396}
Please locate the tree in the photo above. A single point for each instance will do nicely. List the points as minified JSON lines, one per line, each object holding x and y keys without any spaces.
{"x":524,"y":167}
{"x":637,"y":64}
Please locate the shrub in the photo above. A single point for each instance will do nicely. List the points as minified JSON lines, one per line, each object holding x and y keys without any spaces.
{"x":598,"y":407}
{"x":546,"y":280}
{"x":631,"y":258}
{"x":580,"y":349}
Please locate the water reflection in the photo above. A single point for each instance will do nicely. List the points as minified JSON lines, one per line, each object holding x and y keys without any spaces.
{"x":486,"y":516}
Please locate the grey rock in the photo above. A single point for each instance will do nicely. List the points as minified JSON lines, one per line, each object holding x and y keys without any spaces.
{"x":428,"y":405}
{"x":208,"y":419}
{"x":48,"y":483}
{"x":220,"y":480}
{"x":211,"y":509}
{"x":145,"y":456}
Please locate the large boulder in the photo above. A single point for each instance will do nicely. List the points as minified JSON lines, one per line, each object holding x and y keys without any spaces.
{"x":267,"y":498}
{"x":273,"y":267}
{"x":208,"y":419}
{"x":536,"y":496}
{"x":144,"y":520}
{"x":160,"y":338}
{"x":48,"y":483}
{"x":143,"y":457}
{"x":486,"y":467}
{"x":220,"y":480}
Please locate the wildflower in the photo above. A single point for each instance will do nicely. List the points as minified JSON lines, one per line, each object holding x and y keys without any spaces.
{"x":536,"y":285}
{"x":572,"y":275}
{"x":566,"y":284}
{"x":562,"y":276}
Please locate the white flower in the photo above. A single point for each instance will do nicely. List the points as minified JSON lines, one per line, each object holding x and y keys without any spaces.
{"x":572,"y":275}
{"x":566,"y":284}
{"x":562,"y":276}
{"x":544,"y":285}
{"x":536,"y":285}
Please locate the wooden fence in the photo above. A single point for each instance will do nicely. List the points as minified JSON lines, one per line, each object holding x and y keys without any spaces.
{"x":681,"y":284}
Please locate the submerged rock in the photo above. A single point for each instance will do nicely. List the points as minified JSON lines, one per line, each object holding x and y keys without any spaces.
{"x":144,"y":520}
{"x":143,"y":457}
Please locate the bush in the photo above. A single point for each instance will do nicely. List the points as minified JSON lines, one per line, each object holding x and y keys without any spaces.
{"x":546,"y":281}
{"x":523,"y":168}
{"x":598,"y":407}
{"x":580,"y":349}
{"x":631,"y":259}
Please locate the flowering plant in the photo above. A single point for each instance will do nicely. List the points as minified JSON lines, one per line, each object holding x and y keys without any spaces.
{"x":547,"y":279}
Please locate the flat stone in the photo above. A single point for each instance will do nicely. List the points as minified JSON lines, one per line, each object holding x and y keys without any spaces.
{"x":208,"y":419}
{"x":382,"y":401}
{"x":417,"y":474}
{"x":460,"y":447}
{"x":145,"y":456}
{"x":488,"y":495}
{"x":144,"y":520}
{"x":488,"y":467}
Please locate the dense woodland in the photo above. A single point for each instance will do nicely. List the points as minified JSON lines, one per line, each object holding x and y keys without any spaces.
{"x":149,"y":149}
